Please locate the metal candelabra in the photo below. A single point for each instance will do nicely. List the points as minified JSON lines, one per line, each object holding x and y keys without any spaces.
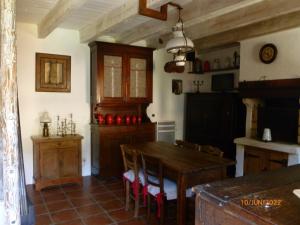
{"x":65,"y":126}
{"x":198,"y":84}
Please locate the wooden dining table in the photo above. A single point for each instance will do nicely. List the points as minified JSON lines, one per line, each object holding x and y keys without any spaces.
{"x":188,"y":167}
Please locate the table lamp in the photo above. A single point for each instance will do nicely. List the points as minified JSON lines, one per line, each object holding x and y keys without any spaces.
{"x":45,"y":119}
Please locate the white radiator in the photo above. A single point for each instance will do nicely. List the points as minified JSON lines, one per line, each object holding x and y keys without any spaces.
{"x":165,"y":131}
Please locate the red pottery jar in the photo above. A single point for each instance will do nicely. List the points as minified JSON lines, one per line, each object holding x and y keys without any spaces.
{"x":118,"y":119}
{"x":139,"y":119}
{"x":127,"y":120}
{"x":206,"y":66}
{"x":133,"y":119}
{"x":100,"y":118}
{"x":109,"y":119}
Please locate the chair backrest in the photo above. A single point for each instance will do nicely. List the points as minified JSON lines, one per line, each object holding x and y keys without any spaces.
{"x":186,"y":144}
{"x":153,"y":167}
{"x":212,"y":150}
{"x":130,"y":159}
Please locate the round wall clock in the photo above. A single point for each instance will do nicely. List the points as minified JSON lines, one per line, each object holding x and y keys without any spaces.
{"x":268,"y":53}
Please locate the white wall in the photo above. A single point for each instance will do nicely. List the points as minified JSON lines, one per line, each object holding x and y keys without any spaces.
{"x":286,"y":65}
{"x":166,"y":105}
{"x":32,"y":104}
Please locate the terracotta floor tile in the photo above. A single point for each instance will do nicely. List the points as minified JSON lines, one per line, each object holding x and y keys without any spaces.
{"x":122,"y":215}
{"x":43,"y":220}
{"x":78,"y":202}
{"x":57,"y":206}
{"x":105,"y":197}
{"x":98,"y":190}
{"x":112,"y":205}
{"x":52,"y":192}
{"x":54,"y":197}
{"x":119,"y":193}
{"x":40,"y":209}
{"x":77,"y":194}
{"x":71,"y":187}
{"x":101,"y":219}
{"x":73,"y":222}
{"x":89,"y":210}
{"x":64,"y":215}
{"x":134,"y":222}
{"x":36,"y":200}
{"x":108,"y":194}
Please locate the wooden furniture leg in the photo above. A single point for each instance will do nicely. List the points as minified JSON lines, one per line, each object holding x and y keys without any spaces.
{"x":181,"y":199}
{"x":127,"y":195}
{"x":137,"y":205}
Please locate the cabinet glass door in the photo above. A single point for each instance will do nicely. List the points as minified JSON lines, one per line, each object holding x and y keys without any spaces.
{"x":138,"y":78}
{"x":112,"y":76}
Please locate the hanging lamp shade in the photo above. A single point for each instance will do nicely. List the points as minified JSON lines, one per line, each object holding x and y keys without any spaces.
{"x":179,"y":42}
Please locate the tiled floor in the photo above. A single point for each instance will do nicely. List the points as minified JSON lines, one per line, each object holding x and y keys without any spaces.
{"x":95,"y":203}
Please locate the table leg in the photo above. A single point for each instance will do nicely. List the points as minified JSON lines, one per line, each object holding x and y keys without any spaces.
{"x":181,"y":200}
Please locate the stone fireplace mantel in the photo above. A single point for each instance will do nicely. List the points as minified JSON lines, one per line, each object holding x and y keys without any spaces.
{"x":293,"y":151}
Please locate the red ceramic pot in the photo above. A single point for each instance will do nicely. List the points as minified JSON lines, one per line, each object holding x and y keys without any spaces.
{"x":127,"y":120}
{"x":100,"y":118}
{"x":118,"y":119}
{"x":133,"y":119}
{"x":139,"y":119}
{"x":109,"y":119}
{"x":206,"y":66}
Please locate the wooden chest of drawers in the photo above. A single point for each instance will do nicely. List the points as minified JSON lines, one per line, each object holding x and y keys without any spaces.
{"x":56,"y":160}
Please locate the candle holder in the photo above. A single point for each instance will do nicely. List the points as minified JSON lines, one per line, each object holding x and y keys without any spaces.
{"x":65,"y":126}
{"x":198,"y":84}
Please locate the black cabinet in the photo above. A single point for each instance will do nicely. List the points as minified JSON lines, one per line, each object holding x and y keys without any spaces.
{"x":215,"y":119}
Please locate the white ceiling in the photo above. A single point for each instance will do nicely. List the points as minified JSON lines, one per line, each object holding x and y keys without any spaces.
{"x":33,"y":11}
{"x":204,"y":20}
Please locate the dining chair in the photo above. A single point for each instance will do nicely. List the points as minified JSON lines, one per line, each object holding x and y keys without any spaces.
{"x":186,"y":144}
{"x":132,"y":175}
{"x":157,"y":187}
{"x":212,"y":150}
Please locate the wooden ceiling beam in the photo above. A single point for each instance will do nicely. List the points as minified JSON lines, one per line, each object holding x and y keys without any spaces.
{"x":193,"y":13}
{"x":117,"y":18}
{"x":214,"y":28}
{"x":280,"y":23}
{"x":254,"y":13}
{"x":57,"y":15}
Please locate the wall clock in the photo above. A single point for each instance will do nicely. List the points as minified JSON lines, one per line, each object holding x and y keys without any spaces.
{"x":268,"y":53}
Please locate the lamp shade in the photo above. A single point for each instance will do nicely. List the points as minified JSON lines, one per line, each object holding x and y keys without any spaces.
{"x":179,"y":43}
{"x":45,"y":118}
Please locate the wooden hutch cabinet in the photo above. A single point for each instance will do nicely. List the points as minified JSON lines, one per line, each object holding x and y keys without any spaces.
{"x":56,"y":160}
{"x":121,"y":85}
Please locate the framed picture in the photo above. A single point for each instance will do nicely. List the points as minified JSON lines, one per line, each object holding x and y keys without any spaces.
{"x":177,"y":87}
{"x":53,"y":73}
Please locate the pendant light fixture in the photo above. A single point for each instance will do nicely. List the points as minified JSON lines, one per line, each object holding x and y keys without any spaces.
{"x":179,"y":45}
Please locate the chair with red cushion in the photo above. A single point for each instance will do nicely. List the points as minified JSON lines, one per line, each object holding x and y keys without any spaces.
{"x":157,"y":187}
{"x":132,"y":176}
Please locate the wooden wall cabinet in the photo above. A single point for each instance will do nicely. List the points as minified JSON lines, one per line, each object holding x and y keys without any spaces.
{"x":257,"y":160}
{"x":56,"y":160}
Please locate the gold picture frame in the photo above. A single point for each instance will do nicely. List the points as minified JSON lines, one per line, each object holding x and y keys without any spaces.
{"x":53,"y":73}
